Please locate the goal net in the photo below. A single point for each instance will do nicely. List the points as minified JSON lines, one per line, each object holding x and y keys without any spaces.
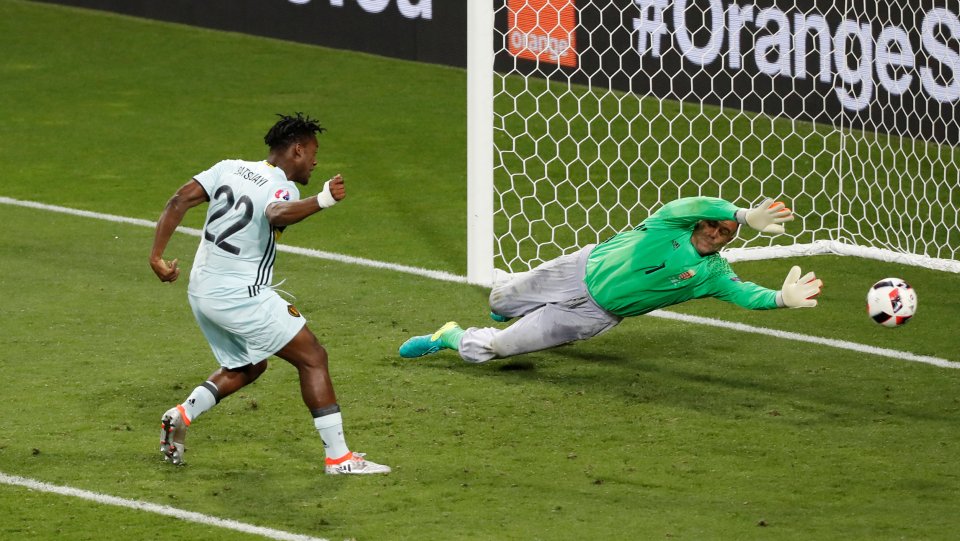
{"x":602,"y":111}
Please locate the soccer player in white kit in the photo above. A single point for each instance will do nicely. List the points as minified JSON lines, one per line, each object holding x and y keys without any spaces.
{"x":243,"y":318}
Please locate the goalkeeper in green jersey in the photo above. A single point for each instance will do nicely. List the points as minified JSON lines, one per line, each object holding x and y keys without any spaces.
{"x":670,"y":258}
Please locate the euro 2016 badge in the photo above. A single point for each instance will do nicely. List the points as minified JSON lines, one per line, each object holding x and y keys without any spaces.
{"x":282,"y":194}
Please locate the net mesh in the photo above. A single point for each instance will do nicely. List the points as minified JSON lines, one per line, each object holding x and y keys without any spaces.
{"x":604,"y":111}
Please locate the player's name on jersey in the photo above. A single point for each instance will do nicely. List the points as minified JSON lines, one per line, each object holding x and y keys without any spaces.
{"x":256,"y":178}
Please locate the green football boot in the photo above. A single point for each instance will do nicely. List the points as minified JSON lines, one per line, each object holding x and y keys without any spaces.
{"x":446,"y":337}
{"x":498,"y":318}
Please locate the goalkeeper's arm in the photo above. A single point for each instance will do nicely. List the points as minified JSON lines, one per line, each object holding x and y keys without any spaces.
{"x":799,"y":292}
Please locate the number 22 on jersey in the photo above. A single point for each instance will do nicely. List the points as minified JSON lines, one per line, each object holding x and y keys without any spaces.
{"x":232,"y":217}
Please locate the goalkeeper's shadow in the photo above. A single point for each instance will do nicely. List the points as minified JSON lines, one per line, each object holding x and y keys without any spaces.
{"x":678,"y":372}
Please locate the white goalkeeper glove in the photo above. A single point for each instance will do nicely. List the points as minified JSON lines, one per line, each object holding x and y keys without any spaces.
{"x":325,"y":199}
{"x":767,"y":217}
{"x":799,"y":292}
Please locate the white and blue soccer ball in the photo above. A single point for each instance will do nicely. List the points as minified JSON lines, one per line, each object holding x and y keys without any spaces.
{"x":891,"y":302}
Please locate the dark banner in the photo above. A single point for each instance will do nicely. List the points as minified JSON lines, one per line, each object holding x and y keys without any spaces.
{"x":872,"y":67}
{"x":421,"y":30}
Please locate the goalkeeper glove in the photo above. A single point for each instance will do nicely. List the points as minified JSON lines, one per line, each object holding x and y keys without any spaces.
{"x":799,"y":292}
{"x":767,"y":217}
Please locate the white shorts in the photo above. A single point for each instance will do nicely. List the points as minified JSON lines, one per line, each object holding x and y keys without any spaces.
{"x":244,"y":331}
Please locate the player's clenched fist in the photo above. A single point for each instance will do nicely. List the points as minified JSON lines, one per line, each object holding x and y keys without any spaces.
{"x":165,"y":271}
{"x":333,"y":191}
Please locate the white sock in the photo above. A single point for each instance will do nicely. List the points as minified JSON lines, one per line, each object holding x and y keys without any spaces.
{"x":330,"y":428}
{"x":199,"y":401}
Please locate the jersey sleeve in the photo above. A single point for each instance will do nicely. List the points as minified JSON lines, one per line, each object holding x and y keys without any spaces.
{"x":687,"y":211}
{"x":281,"y":192}
{"x":209,"y":178}
{"x":725,"y":285}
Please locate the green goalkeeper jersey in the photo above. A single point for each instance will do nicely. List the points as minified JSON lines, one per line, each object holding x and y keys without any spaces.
{"x":656,"y":264}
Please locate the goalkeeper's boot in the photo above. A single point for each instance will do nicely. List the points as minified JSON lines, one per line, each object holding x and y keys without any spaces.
{"x":446,"y":337}
{"x":498,"y":318}
{"x":173,"y":430}
{"x":354,"y":464}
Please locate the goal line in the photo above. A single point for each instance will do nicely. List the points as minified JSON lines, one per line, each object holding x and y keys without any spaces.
{"x":744,"y":254}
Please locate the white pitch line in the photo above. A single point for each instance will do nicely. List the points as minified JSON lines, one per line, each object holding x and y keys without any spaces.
{"x":786,"y":335}
{"x":189,"y":516}
{"x":436,"y":275}
{"x":448,"y":277}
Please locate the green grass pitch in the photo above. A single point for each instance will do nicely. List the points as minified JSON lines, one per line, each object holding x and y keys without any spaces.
{"x":657,"y":430}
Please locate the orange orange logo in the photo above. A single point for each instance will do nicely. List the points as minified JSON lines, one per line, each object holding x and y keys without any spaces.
{"x":543,"y":30}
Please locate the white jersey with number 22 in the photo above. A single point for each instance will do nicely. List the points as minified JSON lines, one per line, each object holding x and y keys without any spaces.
{"x":238,"y":247}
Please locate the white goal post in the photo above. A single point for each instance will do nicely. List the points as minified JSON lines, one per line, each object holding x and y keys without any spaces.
{"x":584,"y":116}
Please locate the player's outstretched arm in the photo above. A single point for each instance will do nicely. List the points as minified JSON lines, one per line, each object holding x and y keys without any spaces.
{"x":284,"y":213}
{"x":799,"y":292}
{"x":767,"y":217}
{"x":188,"y":196}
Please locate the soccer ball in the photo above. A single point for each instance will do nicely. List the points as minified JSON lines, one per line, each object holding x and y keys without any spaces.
{"x":891,"y":302}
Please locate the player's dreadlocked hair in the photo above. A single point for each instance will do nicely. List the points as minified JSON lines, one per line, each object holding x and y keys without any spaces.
{"x":290,"y":129}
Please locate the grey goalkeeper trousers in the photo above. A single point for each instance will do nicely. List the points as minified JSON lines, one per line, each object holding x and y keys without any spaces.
{"x":554,"y":308}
